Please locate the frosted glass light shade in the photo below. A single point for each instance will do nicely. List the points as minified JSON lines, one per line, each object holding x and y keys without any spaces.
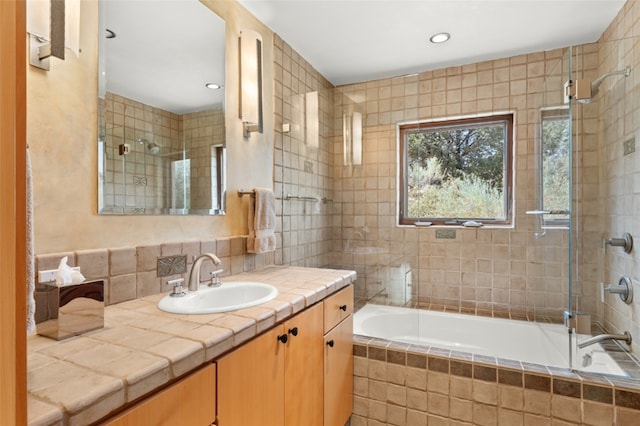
{"x":251,"y":81}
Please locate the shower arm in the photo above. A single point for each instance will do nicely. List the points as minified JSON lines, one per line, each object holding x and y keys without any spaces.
{"x":584,"y":91}
{"x":598,"y":81}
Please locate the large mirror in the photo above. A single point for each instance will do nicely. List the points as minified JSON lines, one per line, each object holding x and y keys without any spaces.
{"x":161,"y":127}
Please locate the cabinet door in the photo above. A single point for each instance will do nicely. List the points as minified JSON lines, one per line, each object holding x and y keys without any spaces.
{"x":303,"y":368}
{"x":189,"y":402}
{"x":251,"y":383}
{"x":338,"y":373}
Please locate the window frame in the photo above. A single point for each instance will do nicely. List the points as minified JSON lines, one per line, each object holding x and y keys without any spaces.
{"x":508,"y":167}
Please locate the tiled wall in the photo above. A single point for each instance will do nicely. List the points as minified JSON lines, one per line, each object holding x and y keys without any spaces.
{"x":501,"y":271}
{"x":137,"y":180}
{"x":131,"y":272}
{"x":141,"y":180}
{"x":616,"y":193}
{"x":405,"y":385}
{"x":302,"y":162}
{"x":202,"y":130}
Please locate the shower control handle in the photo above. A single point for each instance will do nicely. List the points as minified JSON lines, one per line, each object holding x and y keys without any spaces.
{"x":626,"y":242}
{"x":624,"y":289}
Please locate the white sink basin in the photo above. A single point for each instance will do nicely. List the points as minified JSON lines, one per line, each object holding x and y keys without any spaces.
{"x":228,"y":297}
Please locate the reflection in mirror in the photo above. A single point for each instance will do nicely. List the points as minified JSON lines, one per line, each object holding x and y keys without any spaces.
{"x":161,"y":133}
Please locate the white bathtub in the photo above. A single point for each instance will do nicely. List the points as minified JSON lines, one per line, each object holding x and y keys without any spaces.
{"x":524,"y":341}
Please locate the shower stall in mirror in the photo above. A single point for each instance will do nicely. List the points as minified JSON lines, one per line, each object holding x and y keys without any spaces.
{"x":161,"y":120}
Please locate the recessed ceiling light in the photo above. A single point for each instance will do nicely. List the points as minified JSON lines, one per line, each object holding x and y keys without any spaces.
{"x":439,"y":38}
{"x":213,"y":86}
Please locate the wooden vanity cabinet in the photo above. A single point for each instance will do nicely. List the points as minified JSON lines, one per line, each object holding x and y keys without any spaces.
{"x":251,"y":379}
{"x":298,"y":373}
{"x":189,"y":402}
{"x":338,"y":358}
{"x":275,"y":379}
{"x":303,"y":378}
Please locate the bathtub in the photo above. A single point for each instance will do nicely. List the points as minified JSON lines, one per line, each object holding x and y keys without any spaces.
{"x":524,"y":341}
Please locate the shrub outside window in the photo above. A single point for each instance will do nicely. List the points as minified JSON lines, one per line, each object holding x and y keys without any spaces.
{"x":555,"y":138}
{"x":456,"y":171}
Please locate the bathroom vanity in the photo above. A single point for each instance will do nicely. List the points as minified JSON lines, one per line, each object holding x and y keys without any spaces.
{"x":289,"y":359}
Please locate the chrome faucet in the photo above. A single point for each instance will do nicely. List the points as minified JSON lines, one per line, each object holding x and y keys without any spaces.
{"x":626,"y":337}
{"x":194,"y":275}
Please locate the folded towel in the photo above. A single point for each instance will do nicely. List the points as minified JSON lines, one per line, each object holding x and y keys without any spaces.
{"x":262,"y":221}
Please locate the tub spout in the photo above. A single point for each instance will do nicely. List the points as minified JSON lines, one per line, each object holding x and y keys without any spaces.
{"x":626,"y":337}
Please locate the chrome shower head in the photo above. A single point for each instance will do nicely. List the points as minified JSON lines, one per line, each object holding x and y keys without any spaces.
{"x":153,"y":148}
{"x":595,"y":86}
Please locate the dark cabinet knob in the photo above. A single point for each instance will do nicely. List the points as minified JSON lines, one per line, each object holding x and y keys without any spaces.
{"x":330,"y":343}
{"x":343,"y":308}
{"x":293,"y":331}
{"x":283,"y":338}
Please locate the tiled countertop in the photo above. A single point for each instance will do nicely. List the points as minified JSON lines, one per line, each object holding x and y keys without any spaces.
{"x":80,"y":380}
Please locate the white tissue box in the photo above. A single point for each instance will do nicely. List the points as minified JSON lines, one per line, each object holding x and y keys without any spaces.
{"x":69,"y":310}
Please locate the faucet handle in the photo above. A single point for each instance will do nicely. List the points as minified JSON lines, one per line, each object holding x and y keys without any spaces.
{"x":215,"y":280}
{"x":177,"y":290}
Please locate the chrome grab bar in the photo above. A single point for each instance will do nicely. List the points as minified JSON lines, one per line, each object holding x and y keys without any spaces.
{"x":541,"y":212}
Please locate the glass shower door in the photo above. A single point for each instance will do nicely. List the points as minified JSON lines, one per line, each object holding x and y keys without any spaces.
{"x":606,"y":125}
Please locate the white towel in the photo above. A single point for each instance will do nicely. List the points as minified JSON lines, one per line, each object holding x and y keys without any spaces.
{"x":262,"y":221}
{"x":31,"y":303}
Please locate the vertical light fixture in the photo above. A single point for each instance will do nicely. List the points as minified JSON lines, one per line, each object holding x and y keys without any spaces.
{"x":53,"y":25}
{"x":251,"y":81}
{"x":312,"y":120}
{"x":352,"y":138}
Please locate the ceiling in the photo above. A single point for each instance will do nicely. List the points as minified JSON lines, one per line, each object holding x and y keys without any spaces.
{"x":163,"y":53}
{"x":351,"y":41}
{"x":166,"y":50}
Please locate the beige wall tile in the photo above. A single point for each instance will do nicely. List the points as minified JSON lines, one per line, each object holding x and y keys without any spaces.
{"x":536,"y":402}
{"x":438,"y":404}
{"x":596,"y":414}
{"x":122,"y":261}
{"x":147,"y":284}
{"x":484,"y":415}
{"x":93,"y":263}
{"x":122,"y":288}
{"x":566,"y":408}
{"x":461,"y":409}
{"x":147,"y":257}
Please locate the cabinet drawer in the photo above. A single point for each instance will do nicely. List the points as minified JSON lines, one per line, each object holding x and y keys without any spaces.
{"x":337,"y":307}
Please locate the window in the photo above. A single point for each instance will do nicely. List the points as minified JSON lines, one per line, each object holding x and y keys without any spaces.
{"x":456,"y":171}
{"x":555,"y":165}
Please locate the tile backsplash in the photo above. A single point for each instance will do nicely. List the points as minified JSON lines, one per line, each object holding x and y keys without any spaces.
{"x":132,"y":272}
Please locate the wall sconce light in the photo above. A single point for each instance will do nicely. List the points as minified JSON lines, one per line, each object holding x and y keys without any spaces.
{"x":52,"y":25}
{"x":251,"y":81}
{"x":352,"y":138}
{"x":312,"y":117}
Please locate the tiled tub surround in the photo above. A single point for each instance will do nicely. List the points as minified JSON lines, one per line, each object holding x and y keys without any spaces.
{"x":83,"y":379}
{"x":410,"y":385}
{"x":525,"y":341}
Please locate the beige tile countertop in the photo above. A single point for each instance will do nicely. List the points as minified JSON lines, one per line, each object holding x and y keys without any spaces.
{"x":82,"y":379}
